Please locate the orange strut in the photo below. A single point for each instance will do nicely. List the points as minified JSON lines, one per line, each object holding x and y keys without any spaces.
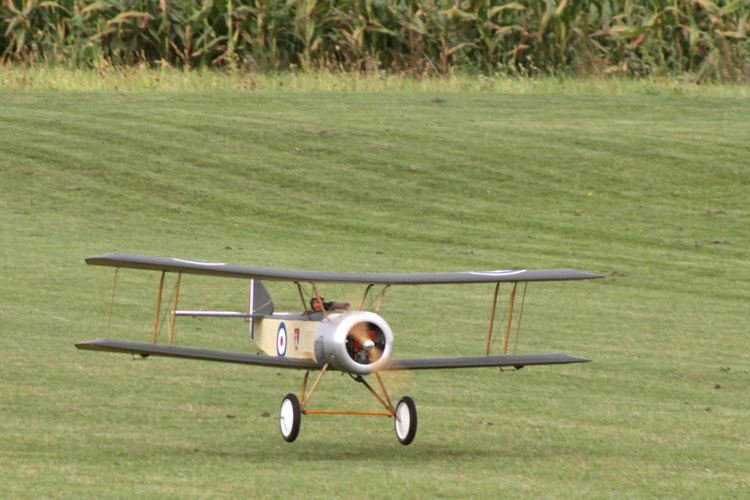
{"x":315,"y":385}
{"x":385,"y":393}
{"x":304,"y":385}
{"x":492,"y":317}
{"x":520,"y":316}
{"x":302,"y":298}
{"x":367,"y":290}
{"x":174,"y":309}
{"x":158,"y":306}
{"x":335,"y":412}
{"x":382,"y":296}
{"x":369,"y":388}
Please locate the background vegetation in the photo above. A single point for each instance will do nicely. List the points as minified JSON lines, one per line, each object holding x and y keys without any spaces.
{"x":167,"y":79}
{"x":420,"y":37}
{"x":650,"y":190}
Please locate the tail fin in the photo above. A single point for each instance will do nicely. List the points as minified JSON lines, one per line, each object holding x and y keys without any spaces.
{"x":261,"y":302}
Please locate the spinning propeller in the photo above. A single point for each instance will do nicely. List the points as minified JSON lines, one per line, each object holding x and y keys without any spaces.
{"x":364,"y":337}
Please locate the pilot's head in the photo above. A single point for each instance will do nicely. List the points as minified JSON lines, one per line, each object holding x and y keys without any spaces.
{"x":316,"y":303}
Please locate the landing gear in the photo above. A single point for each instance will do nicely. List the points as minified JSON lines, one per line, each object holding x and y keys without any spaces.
{"x":289,"y":418}
{"x":404,"y":413}
{"x":406,"y":420}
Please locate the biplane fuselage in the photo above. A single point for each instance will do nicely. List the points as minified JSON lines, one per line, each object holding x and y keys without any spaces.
{"x":359,"y":342}
{"x":330,"y":337}
{"x":290,"y":335}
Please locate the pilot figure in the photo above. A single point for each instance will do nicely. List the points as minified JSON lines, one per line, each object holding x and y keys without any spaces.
{"x":318,"y":303}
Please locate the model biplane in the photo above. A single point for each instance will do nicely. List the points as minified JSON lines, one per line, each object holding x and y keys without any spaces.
{"x":327,"y":336}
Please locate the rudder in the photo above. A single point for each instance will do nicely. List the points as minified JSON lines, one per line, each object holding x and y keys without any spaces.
{"x":261,"y":302}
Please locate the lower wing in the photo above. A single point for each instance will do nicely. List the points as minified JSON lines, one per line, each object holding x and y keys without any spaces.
{"x":144,"y":349}
{"x":515,"y":360}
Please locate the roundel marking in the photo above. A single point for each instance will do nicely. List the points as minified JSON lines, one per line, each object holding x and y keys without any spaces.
{"x":281,"y":340}
{"x":497,"y":273}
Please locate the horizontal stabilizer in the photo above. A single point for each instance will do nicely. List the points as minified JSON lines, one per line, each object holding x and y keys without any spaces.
{"x":144,"y":349}
{"x":515,"y":360}
{"x":213,"y":314}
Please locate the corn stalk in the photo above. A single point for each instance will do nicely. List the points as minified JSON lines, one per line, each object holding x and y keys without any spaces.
{"x":630,"y":37}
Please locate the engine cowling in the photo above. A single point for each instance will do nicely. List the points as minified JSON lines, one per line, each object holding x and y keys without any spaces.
{"x":358,"y":342}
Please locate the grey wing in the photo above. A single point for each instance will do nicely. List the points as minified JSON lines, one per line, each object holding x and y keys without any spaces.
{"x":515,"y":360}
{"x":236,"y":271}
{"x":144,"y":349}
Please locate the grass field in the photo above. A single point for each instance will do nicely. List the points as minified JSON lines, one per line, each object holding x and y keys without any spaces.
{"x":649,"y":190}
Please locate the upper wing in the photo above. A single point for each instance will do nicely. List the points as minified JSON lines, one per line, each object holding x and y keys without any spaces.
{"x":247,"y":272}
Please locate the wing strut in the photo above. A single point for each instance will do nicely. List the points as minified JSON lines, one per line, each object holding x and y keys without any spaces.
{"x":158,"y":307}
{"x":302,"y":298}
{"x":520,"y":317}
{"x":492,"y":317}
{"x":174,"y":309}
{"x":367,"y":290}
{"x":382,"y":296}
{"x":511,"y":305}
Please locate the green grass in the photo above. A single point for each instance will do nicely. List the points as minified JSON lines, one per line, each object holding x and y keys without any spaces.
{"x":650,"y":190}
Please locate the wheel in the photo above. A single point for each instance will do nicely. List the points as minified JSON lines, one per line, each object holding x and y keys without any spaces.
{"x":406,"y":420}
{"x":289,"y":417}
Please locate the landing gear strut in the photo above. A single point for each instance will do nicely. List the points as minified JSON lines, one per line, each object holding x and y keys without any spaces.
{"x":404,"y":414}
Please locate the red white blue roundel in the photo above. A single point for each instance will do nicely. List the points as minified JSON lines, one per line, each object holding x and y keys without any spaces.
{"x":281,"y":340}
{"x":497,"y":273}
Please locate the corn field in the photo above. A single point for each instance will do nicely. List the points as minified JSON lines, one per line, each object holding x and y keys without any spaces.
{"x":415,"y":37}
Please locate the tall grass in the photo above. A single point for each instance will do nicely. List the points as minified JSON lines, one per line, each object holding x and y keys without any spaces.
{"x":528,"y":37}
{"x":141,"y":78}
